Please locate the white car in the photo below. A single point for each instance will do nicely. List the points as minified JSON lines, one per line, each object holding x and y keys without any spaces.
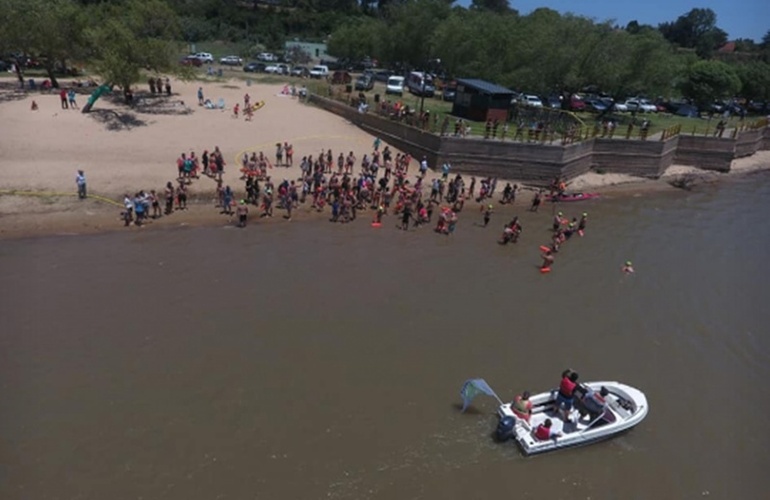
{"x":267,"y":57}
{"x":231,"y":61}
{"x":395,"y":85}
{"x":278,"y":69}
{"x":204,"y":57}
{"x":530,"y":100}
{"x":319,"y":71}
{"x":620,"y":107}
{"x":640,"y":105}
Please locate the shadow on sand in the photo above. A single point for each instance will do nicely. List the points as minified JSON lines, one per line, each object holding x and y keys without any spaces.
{"x":10,"y":90}
{"x":116,"y":121}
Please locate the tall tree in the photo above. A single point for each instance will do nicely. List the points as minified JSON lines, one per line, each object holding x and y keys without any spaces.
{"x":708,"y":81}
{"x":498,"y":6}
{"x":136,"y":35}
{"x":695,"y":30}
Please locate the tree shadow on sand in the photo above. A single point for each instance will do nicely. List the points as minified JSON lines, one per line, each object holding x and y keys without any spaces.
{"x":152,"y":104}
{"x":116,"y":121}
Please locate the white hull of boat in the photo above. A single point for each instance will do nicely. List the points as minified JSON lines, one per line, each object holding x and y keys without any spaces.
{"x":626,"y":407}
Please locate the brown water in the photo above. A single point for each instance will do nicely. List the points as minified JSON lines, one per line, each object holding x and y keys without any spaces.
{"x":314,"y":360}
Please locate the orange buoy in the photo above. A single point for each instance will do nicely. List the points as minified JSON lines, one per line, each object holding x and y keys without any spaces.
{"x":376,"y":224}
{"x":545,"y":270}
{"x":545,"y":248}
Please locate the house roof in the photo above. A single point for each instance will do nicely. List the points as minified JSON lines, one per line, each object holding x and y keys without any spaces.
{"x":484,"y":86}
{"x":728,"y":47}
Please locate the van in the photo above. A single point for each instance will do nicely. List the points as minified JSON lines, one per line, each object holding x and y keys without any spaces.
{"x":395,"y":85}
{"x":319,"y":71}
{"x":420,"y":84}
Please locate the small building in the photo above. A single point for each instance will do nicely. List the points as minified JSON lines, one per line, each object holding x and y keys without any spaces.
{"x":315,"y":51}
{"x":479,"y":100}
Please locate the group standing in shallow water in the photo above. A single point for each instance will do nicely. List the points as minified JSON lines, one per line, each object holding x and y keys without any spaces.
{"x":379,"y":182}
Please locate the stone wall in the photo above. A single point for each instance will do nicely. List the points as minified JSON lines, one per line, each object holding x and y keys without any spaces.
{"x":538,"y":163}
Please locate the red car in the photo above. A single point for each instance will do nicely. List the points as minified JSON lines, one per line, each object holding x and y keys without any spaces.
{"x":191,"y":61}
{"x":576,"y":103}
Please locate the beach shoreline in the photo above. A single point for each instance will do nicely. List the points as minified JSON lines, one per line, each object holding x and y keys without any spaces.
{"x":124,"y":150}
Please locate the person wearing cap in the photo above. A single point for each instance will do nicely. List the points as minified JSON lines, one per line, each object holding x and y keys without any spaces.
{"x":582,"y":223}
{"x":628,"y":268}
{"x":487,"y":209}
{"x":80,"y":180}
{"x":557,"y":220}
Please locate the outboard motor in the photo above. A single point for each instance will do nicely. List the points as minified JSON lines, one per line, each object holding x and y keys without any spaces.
{"x":504,"y":430}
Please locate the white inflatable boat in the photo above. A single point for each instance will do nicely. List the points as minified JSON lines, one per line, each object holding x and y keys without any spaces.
{"x":625,"y":408}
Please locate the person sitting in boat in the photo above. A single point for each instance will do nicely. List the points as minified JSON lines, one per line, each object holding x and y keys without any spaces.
{"x":522,"y":406}
{"x":565,"y":396}
{"x":544,"y":431}
{"x":593,"y":403}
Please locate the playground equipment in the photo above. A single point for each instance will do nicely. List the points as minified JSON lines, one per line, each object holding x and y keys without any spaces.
{"x":96,"y":94}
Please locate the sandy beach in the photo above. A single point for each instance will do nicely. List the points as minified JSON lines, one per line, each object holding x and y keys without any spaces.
{"x":124,"y":150}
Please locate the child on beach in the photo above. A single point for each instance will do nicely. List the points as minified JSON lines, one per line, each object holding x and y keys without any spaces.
{"x":487,"y":214}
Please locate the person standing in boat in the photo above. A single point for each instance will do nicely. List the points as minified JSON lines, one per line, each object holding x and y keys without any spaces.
{"x":522,"y":406}
{"x":544,"y":431}
{"x":565,"y":396}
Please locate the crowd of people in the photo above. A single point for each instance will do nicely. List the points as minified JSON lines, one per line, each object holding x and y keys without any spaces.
{"x":380,"y":182}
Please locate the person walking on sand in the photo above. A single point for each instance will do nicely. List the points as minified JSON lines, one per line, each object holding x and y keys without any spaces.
{"x":487,"y":213}
{"x":536,"y":201}
{"x":169,"y":195}
{"x":71,"y":98}
{"x":63,"y":98}
{"x":243,"y":213}
{"x":80,"y":180}
{"x":200,"y":96}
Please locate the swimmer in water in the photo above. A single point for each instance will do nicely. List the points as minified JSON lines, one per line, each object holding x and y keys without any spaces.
{"x":547,"y":260}
{"x":582,"y":223}
{"x":628,"y":268}
{"x":487,"y":214}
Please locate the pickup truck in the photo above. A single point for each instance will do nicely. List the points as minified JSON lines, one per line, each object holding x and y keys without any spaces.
{"x":319,"y":71}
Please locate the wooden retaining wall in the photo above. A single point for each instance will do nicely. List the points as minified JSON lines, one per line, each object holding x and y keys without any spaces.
{"x":539,"y":163}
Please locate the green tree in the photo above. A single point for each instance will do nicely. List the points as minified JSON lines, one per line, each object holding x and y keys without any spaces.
{"x":57,"y":36}
{"x":695,"y":30}
{"x":499,"y":6}
{"x":130,"y":37}
{"x":755,"y":81}
{"x":708,"y":81}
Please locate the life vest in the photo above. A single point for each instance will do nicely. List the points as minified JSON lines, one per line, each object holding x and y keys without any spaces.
{"x":567,"y":387}
{"x":542,"y":432}
{"x":521,"y":407}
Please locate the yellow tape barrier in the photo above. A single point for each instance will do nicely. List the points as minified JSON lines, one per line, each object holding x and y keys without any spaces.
{"x":50,"y":194}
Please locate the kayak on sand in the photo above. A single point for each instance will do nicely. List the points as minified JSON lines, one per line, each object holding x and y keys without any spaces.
{"x":572,"y":197}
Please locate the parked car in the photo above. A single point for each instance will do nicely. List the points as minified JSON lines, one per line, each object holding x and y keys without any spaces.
{"x":231,"y":61}
{"x":449,"y":93}
{"x":687,"y":110}
{"x":300,"y":71}
{"x":383,"y":75}
{"x":255,"y":67}
{"x":530,"y":100}
{"x":596,"y":105}
{"x":552,"y":101}
{"x":191,"y":60}
{"x":576,"y":103}
{"x":365,"y":82}
{"x":267,"y":57}
{"x":640,"y":105}
{"x":205,"y":57}
{"x":395,"y":85}
{"x":319,"y":71}
{"x":620,"y":107}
